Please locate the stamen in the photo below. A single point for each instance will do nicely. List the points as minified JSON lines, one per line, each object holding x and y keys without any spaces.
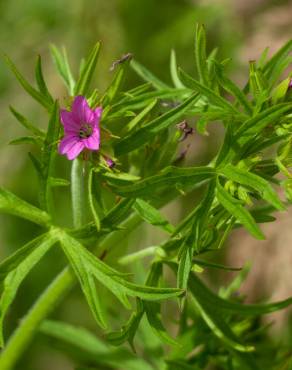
{"x":85,"y":131}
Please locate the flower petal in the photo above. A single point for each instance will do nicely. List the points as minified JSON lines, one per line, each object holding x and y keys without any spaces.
{"x":98,"y":112}
{"x":81,"y":112}
{"x":93,"y":142}
{"x":70,"y":125}
{"x":75,"y":150}
{"x":66,"y":143}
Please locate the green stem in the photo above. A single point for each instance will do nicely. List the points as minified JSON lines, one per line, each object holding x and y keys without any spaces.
{"x":78,"y":191}
{"x":29,"y":325}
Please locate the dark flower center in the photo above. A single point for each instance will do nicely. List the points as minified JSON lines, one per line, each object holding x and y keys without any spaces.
{"x":85,"y":131}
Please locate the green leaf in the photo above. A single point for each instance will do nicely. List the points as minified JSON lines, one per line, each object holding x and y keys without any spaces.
{"x":207,"y":92}
{"x":141,"y":101}
{"x":147,"y":132}
{"x":215,"y":320}
{"x":39,"y":97}
{"x":137,"y":90}
{"x":235,"y":208}
{"x":26,"y":140}
{"x":258,"y":84}
{"x":200,"y":289}
{"x":116,"y":84}
{"x":27,"y":124}
{"x":91,"y":200}
{"x":118,"y":213}
{"x":181,"y":365}
{"x":152,"y":309}
{"x":174,"y":73}
{"x":138,"y":118}
{"x":83,"y":82}
{"x":56,"y":181}
{"x":41,"y":81}
{"x":93,"y":349}
{"x":193,"y":242}
{"x":277,"y":57}
{"x":11,"y":204}
{"x":234,"y":90}
{"x":11,"y":262}
{"x":61,"y":61}
{"x":169,"y":176}
{"x":281,"y":90}
{"x":152,"y":215}
{"x":200,"y":54}
{"x":109,"y":277}
{"x":257,"y":123}
{"x":48,"y":155}
{"x":254,"y":181}
{"x":37,"y":166}
{"x":128,"y":331}
{"x":119,"y":178}
{"x":148,"y":76}
{"x":26,"y":259}
{"x":215,"y":265}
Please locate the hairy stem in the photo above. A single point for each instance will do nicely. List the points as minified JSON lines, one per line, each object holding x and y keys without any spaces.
{"x":28,"y":326}
{"x":78,"y":191}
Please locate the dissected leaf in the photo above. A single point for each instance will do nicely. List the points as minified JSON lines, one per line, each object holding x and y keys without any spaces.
{"x":207,"y":92}
{"x":17,"y":267}
{"x":147,"y":132}
{"x":28,"y":125}
{"x":254,"y":181}
{"x":41,"y":81}
{"x":169,"y":176}
{"x":11,"y":204}
{"x":106,"y":275}
{"x":199,"y":288}
{"x":152,"y":215}
{"x":152,"y":309}
{"x":38,"y":96}
{"x":95,"y":350}
{"x":236,"y":209}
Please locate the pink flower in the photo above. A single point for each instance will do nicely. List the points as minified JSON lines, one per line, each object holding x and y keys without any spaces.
{"x":81,"y":127}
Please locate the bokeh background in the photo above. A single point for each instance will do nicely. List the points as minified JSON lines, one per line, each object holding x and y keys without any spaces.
{"x":149,"y":29}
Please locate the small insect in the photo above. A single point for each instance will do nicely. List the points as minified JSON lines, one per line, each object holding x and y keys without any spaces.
{"x":185,"y":129}
{"x":123,"y":59}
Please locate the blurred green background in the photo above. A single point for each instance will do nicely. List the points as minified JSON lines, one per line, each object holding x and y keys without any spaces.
{"x":148,"y":29}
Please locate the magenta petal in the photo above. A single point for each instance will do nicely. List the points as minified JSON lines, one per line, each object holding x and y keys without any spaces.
{"x":81,"y":111}
{"x":66,"y":143}
{"x":92,"y":143}
{"x":68,"y":121}
{"x":98,"y":112}
{"x":75,"y":150}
